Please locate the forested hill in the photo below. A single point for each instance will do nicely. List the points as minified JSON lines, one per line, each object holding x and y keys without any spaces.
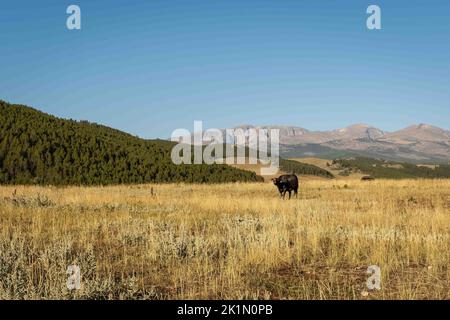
{"x":296,"y":167}
{"x":378,"y":168}
{"x":37,"y":148}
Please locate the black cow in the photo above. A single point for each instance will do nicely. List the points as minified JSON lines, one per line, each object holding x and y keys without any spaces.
{"x":287,"y":183}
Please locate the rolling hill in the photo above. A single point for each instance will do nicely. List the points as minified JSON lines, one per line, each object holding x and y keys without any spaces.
{"x":391,"y":170}
{"x":287,"y":166}
{"x":357,"y":167}
{"x":37,"y":148}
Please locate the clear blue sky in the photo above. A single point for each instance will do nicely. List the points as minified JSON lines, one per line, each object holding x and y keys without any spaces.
{"x":149,"y":67}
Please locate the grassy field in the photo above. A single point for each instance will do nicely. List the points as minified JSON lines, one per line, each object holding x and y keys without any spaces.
{"x":229,"y":241}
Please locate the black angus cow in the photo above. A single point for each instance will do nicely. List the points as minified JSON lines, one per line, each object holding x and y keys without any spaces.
{"x":287,"y":183}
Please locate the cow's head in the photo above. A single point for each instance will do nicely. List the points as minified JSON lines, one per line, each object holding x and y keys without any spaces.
{"x":275,"y":181}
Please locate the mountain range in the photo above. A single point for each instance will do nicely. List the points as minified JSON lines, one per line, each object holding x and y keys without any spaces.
{"x":420,"y":143}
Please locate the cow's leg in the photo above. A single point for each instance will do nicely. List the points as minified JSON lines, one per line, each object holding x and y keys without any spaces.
{"x":290,"y":191}
{"x":296,"y":193}
{"x":281,"y":190}
{"x":284,"y":193}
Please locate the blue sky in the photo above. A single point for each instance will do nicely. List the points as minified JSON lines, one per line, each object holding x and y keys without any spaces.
{"x":149,"y":67}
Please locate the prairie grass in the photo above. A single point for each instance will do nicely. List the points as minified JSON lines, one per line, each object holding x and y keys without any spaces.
{"x":229,"y":241}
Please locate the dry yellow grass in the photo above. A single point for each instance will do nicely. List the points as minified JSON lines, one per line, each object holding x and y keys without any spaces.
{"x":230,"y":241}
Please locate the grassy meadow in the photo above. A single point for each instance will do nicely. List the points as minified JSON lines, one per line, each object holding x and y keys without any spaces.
{"x":227,"y":241}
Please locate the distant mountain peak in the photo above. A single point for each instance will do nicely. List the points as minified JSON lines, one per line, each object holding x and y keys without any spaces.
{"x":359,"y":126}
{"x":424,"y":126}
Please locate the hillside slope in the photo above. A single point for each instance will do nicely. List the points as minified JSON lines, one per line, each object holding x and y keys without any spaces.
{"x":357,"y":167}
{"x":392,"y":170}
{"x":288,"y":167}
{"x":37,"y":148}
{"x":325,"y":164}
